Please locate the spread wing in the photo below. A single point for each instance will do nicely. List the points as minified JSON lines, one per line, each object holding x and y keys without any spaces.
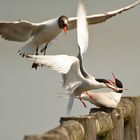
{"x":82,"y":34}
{"x":82,"y":28}
{"x":68,"y":66}
{"x":99,"y":18}
{"x":59,"y":63}
{"x":18,"y":31}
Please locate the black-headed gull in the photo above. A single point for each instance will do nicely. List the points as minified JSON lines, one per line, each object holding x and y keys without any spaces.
{"x":44,"y":32}
{"x":75,"y":79}
{"x":108,"y":99}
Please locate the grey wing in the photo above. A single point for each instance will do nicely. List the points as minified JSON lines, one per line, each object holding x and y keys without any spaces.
{"x":99,"y":18}
{"x":18,"y":31}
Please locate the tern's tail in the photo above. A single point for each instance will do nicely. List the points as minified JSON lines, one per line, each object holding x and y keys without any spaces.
{"x":70,"y":104}
{"x":29,"y":48}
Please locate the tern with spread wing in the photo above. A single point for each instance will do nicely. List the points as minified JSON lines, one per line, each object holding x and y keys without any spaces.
{"x":75,"y":79}
{"x":44,"y":32}
{"x":104,"y":99}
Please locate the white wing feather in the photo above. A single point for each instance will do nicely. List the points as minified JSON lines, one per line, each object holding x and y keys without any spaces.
{"x":68,"y":66}
{"x":59,"y":63}
{"x":82,"y":27}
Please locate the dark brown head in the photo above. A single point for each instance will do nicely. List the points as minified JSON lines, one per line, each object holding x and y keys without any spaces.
{"x":63,"y":23}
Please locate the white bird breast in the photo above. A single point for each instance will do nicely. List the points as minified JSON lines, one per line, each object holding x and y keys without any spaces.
{"x":49,"y":31}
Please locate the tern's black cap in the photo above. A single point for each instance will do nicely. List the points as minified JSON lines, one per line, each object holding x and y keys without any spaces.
{"x":119,"y":85}
{"x":102,"y":80}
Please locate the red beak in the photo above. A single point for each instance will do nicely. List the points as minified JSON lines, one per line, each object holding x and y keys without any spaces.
{"x":65,"y":29}
{"x":110,"y":85}
{"x":114,"y":78}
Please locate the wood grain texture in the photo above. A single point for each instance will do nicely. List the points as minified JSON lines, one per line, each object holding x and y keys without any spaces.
{"x":121,"y":123}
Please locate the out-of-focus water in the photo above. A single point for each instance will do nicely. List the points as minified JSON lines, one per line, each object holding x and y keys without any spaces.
{"x":29,"y":100}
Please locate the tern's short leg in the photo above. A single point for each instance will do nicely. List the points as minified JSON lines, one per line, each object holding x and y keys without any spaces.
{"x":83,"y":102}
{"x":91,"y":97}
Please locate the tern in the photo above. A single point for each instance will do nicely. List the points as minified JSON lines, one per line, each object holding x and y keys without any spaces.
{"x":75,"y":79}
{"x":43,"y":33}
{"x":104,"y":99}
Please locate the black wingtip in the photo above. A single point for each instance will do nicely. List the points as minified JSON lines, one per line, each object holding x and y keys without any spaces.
{"x":34,"y":66}
{"x":21,"y":53}
{"x":27,"y":56}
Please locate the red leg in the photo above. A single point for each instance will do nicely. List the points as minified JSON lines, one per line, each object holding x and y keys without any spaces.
{"x":83,"y":102}
{"x":91,"y":97}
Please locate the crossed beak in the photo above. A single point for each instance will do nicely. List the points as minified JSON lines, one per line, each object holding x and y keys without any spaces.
{"x":112,"y":83}
{"x":112,"y":86}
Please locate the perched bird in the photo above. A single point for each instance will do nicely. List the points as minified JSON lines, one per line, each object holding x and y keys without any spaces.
{"x":75,"y":79}
{"x":104,"y":99}
{"x":44,"y":32}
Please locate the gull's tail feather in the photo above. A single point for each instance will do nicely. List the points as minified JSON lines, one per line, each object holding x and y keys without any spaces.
{"x":63,"y":95}
{"x":70,"y":104}
{"x":29,"y":48}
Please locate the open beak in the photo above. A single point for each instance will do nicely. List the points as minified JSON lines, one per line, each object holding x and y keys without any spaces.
{"x":114,"y":81}
{"x":111,"y":85}
{"x":114,"y":78}
{"x":65,"y":28}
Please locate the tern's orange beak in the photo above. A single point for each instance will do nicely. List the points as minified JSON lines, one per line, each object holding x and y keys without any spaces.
{"x":65,"y":28}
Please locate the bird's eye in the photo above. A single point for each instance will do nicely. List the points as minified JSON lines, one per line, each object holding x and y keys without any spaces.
{"x":62,"y":21}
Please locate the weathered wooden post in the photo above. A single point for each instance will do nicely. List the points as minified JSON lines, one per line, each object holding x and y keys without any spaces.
{"x":71,"y":130}
{"x":132,"y":125}
{"x":123,"y":113}
{"x":88,"y":124}
{"x":122,"y":123}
